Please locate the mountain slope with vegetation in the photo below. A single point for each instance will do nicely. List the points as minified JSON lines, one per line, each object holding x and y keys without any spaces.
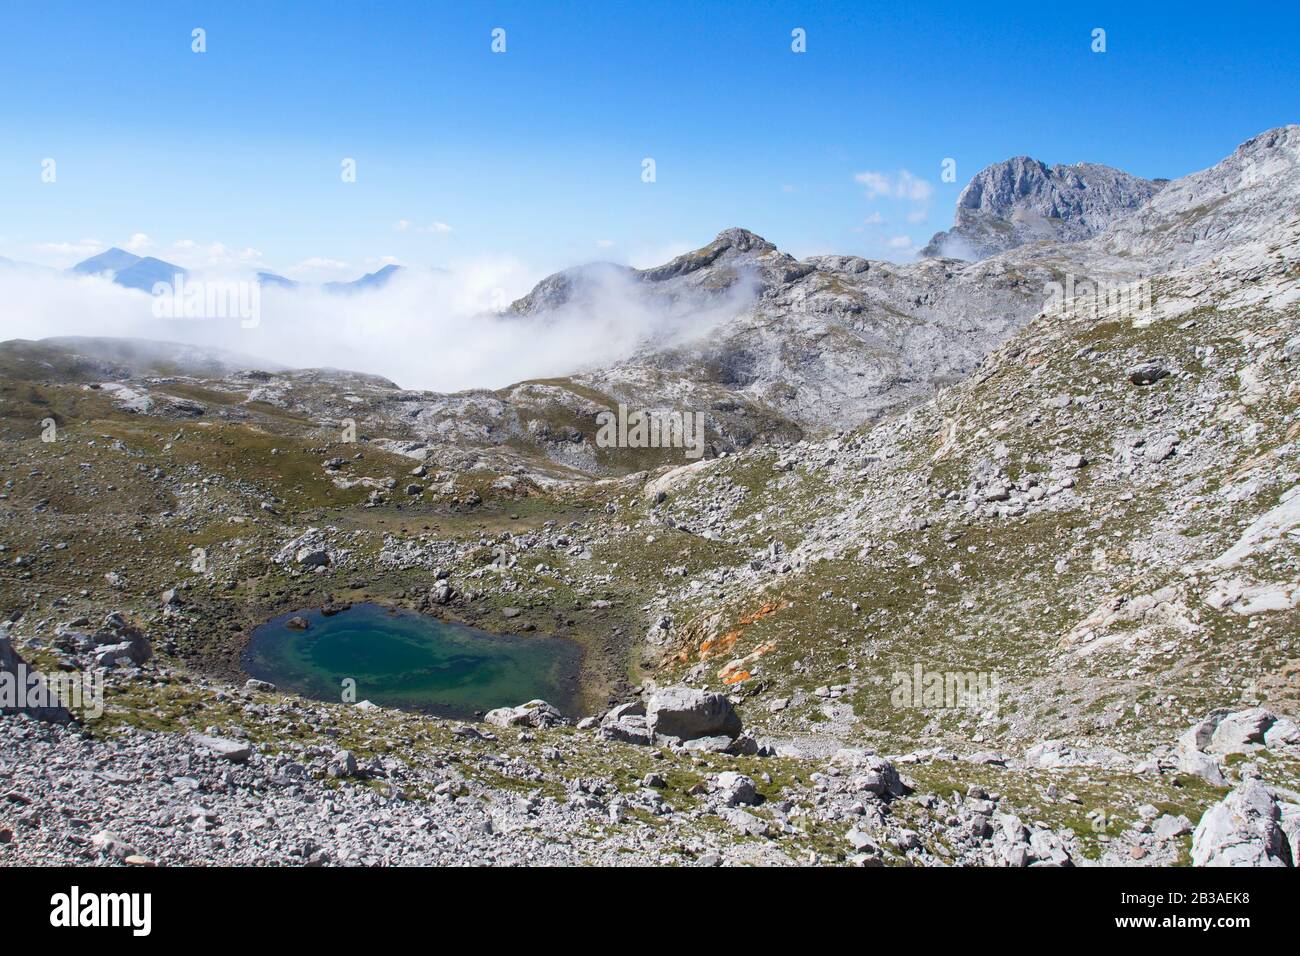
{"x":1095,"y":523}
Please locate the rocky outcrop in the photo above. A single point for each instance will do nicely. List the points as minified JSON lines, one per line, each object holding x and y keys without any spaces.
{"x":1023,"y":200}
{"x":1242,"y":830}
{"x":680,"y":716}
{"x":122,"y":644}
{"x":1224,"y":732}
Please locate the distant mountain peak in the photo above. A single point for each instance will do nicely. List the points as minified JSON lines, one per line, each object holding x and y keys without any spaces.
{"x":1022,"y":200}
{"x":110,"y":260}
{"x":742,"y":240}
{"x":130,"y":270}
{"x":371,"y":280}
{"x":275,"y":279}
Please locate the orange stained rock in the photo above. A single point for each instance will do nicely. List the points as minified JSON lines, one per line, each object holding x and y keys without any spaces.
{"x":717,"y":645}
{"x":736,"y":671}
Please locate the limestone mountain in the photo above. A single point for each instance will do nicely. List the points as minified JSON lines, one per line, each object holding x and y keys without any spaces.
{"x":1099,"y":520}
{"x":1023,"y":200}
{"x":1247,"y":200}
{"x":772,"y":347}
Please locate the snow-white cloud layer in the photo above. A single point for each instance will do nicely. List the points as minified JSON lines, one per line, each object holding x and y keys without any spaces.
{"x":423,"y":329}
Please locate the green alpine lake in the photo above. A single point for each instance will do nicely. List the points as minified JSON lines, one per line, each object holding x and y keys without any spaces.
{"x":411,"y":661}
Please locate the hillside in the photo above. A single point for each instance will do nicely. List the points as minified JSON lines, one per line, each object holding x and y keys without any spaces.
{"x":1088,"y":505}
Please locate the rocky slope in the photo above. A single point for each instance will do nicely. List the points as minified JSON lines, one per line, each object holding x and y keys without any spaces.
{"x":1096,"y":531}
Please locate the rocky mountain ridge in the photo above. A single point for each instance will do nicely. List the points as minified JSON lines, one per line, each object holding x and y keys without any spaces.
{"x":1023,"y":200}
{"x":1097,"y":527}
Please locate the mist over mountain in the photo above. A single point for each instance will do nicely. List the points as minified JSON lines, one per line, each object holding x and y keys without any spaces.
{"x":1061,"y":479}
{"x":371,"y":280}
{"x":142,"y":272}
{"x":823,"y":341}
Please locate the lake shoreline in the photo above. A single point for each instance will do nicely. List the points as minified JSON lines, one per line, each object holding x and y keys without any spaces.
{"x":449,"y":669}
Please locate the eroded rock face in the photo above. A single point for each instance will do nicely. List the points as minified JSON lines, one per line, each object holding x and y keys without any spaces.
{"x":1223,"y":732}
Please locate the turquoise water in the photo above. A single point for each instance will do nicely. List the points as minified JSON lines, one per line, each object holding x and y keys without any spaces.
{"x":412,"y":661}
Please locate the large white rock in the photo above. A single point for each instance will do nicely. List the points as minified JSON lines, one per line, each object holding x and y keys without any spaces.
{"x":1241,"y":830}
{"x":1264,"y":534}
{"x":736,"y":789}
{"x":1201,"y":765}
{"x":686,"y":713}
{"x":1241,"y":732}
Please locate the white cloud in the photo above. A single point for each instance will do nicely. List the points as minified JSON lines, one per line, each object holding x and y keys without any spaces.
{"x":904,"y":186}
{"x":875,"y":219}
{"x":878,"y":184}
{"x":423,"y":329}
{"x":913,"y":187}
{"x":63,"y":254}
{"x":918,"y":215}
{"x":900,"y":242}
{"x":316,"y":265}
{"x":138,"y":243}
{"x":212,"y":256}
{"x":437,"y":228}
{"x":605,"y":243}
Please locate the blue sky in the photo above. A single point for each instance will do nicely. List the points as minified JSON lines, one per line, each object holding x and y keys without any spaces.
{"x":536,"y":154}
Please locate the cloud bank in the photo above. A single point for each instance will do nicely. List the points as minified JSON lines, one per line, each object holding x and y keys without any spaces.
{"x":437,"y":330}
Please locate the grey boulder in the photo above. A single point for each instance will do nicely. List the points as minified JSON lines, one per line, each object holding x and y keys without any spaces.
{"x":736,"y":789}
{"x":686,"y":713}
